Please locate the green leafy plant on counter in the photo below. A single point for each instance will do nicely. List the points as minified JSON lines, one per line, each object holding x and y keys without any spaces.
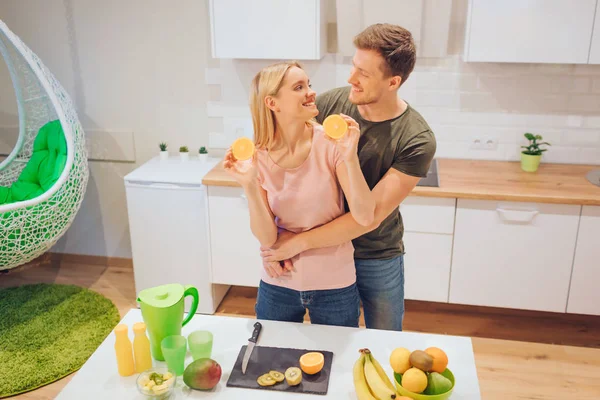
{"x":203,"y":150}
{"x":533,"y":149}
{"x":183,"y":149}
{"x":162,"y":146}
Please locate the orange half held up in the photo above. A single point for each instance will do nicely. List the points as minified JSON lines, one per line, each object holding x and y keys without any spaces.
{"x":335,"y":126}
{"x":242,"y":149}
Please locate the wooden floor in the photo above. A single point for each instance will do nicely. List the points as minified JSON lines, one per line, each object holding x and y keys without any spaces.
{"x":548,"y":356}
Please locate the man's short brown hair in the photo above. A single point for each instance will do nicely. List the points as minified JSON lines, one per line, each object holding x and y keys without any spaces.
{"x":394,"y":43}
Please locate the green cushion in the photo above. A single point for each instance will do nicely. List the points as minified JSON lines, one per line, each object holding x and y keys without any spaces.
{"x":43,"y":168}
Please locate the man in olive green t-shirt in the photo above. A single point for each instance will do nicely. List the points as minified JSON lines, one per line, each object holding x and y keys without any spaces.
{"x":395,"y":150}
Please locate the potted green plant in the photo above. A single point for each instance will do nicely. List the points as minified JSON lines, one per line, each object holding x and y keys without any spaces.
{"x":532,"y":153}
{"x":203,"y":154}
{"x":164,"y":154}
{"x":184,"y":153}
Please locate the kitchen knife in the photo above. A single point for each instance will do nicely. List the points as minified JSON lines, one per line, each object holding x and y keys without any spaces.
{"x":251,"y":343}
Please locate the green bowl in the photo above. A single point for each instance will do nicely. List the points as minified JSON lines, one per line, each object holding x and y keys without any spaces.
{"x":417,"y":396}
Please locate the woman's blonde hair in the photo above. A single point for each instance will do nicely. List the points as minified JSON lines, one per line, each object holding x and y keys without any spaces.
{"x":266,"y":83}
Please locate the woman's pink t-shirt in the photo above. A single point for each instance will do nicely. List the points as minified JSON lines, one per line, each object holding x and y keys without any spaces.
{"x":304,"y":198}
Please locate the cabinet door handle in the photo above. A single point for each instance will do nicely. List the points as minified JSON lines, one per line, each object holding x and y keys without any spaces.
{"x":517,"y":215}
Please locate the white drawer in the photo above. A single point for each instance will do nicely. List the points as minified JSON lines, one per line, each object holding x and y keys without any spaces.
{"x":515,"y":255}
{"x":428,"y":214}
{"x":235,"y":251}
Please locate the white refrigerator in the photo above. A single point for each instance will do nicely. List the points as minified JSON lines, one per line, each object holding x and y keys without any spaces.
{"x":169,"y":227}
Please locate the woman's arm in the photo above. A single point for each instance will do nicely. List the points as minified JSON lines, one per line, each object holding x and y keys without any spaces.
{"x":353,"y":183}
{"x":357,"y":192}
{"x":262,"y":220}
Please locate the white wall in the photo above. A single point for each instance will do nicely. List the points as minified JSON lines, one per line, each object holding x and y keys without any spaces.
{"x":134,"y":69}
{"x":140,"y":71}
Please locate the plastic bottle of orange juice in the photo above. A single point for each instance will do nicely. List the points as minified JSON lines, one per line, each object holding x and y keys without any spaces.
{"x":124,"y":351}
{"x":141,"y":348}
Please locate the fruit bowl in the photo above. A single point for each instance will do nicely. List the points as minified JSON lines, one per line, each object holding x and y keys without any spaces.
{"x":420,"y":396}
{"x":160,"y":391}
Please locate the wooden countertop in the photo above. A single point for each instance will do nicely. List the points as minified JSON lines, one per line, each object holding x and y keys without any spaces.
{"x":492,"y":180}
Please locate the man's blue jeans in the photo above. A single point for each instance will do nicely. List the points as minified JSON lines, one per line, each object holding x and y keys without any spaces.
{"x":381,"y":288}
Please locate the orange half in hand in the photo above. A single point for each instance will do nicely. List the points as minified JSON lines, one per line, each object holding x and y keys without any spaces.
{"x":335,"y":126}
{"x":312,"y":363}
{"x":242,"y":149}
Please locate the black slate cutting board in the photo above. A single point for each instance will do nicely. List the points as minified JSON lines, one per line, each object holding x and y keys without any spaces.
{"x":265,"y":359}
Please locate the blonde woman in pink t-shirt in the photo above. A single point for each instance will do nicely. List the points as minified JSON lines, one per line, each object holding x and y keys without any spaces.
{"x":297,"y":181}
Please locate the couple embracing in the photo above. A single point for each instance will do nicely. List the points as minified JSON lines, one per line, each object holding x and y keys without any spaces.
{"x":325,"y":211}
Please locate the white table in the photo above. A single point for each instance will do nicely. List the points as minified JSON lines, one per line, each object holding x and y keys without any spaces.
{"x":98,"y":378}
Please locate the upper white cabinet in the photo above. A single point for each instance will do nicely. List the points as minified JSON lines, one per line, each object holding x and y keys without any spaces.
{"x":530,"y":31}
{"x":514,"y":255}
{"x":268,"y":29}
{"x":427,"y":20}
{"x":584,"y":296}
{"x":595,"y":48}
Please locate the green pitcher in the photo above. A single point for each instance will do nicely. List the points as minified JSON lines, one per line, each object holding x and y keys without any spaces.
{"x":162,"y":309}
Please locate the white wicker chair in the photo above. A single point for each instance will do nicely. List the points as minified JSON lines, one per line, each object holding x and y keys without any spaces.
{"x":29,"y":228}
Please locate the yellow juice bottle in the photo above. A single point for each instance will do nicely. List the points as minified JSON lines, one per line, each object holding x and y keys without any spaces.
{"x":141,"y":348}
{"x":124,"y":351}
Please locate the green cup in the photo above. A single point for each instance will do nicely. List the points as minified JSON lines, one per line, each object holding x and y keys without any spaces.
{"x":200,"y":343}
{"x":174,"y":348}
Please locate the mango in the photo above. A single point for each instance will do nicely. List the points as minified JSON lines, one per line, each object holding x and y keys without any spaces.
{"x":421,"y":360}
{"x":202,"y":374}
{"x":437,"y":384}
{"x":399,"y":360}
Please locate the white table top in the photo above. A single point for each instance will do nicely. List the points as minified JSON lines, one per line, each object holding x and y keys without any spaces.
{"x":98,"y":377}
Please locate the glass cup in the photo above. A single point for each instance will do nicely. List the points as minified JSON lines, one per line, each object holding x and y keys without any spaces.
{"x":174,"y":348}
{"x":200,"y":343}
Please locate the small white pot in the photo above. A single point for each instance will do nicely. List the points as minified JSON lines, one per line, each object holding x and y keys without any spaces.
{"x":164,"y":155}
{"x":203,"y":157}
{"x":184,"y":156}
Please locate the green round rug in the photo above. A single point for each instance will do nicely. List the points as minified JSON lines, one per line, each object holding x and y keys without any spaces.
{"x":48,"y":331}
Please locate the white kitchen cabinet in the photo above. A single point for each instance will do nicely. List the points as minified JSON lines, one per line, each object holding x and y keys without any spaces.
{"x":595,"y":47}
{"x":427,"y":266}
{"x":529,"y":31}
{"x":427,"y":20}
{"x":429,"y":226}
{"x":268,"y":29}
{"x":235,"y":251}
{"x":515,"y":255}
{"x":584,"y":295}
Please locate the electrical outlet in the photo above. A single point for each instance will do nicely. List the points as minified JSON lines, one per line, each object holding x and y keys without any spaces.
{"x":484,"y":143}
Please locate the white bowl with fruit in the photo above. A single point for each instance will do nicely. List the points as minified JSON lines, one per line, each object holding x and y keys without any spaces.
{"x":156,"y":383}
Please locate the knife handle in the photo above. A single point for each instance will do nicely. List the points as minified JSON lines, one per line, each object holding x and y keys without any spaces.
{"x":256,"y":332}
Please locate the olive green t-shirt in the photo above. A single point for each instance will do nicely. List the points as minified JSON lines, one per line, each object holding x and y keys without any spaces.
{"x":405,"y":143}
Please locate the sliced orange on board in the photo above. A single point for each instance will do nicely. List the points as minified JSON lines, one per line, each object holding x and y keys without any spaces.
{"x":242,"y":149}
{"x":335,"y":126}
{"x":312,"y":363}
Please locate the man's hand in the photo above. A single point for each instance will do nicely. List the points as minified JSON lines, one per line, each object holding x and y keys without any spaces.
{"x":288,"y":245}
{"x":275,"y":270}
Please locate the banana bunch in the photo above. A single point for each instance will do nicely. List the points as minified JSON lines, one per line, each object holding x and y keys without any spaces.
{"x":370,"y":380}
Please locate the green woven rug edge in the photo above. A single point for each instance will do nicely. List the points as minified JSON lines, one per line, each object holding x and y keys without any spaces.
{"x":61,"y":297}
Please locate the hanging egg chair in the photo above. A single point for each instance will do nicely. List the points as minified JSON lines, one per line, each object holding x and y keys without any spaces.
{"x":43,"y":179}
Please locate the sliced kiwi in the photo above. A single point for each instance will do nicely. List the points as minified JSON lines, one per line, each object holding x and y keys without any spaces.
{"x":266,"y":380}
{"x":278,"y":376}
{"x":293,"y":376}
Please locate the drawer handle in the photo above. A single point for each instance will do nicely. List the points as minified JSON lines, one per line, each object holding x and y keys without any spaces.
{"x":517,"y":215}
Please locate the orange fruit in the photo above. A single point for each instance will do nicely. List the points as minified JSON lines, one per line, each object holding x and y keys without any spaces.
{"x":312,"y":363}
{"x":440,"y":359}
{"x":335,"y":126}
{"x":242,"y":148}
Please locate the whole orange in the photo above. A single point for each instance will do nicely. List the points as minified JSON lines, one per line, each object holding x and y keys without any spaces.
{"x":440,"y":359}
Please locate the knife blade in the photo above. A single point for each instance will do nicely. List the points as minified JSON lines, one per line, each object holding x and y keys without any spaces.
{"x":251,"y":343}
